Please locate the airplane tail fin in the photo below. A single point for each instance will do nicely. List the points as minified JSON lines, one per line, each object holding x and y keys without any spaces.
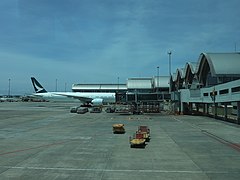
{"x":37,"y":86}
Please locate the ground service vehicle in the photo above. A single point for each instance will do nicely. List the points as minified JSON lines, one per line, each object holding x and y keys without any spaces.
{"x":137,"y":141}
{"x":74,"y":109}
{"x":110,"y":110}
{"x":82,"y":110}
{"x":145,"y":131}
{"x":96,"y":110}
{"x":118,"y":129}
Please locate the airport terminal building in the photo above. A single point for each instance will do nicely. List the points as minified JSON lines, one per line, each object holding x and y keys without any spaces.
{"x":211,"y":85}
{"x":136,"y":89}
{"x":211,"y":82}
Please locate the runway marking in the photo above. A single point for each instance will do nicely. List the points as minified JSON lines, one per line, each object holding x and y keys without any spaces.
{"x":31,"y":148}
{"x":44,"y":146}
{"x":223,"y":141}
{"x":114,"y":170}
{"x":219,"y":139}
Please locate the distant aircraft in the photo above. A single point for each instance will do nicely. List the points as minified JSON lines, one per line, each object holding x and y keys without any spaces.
{"x":93,"y":98}
{"x":8,"y":99}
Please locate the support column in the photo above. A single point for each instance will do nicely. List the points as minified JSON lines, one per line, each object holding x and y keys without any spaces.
{"x":238,"y":112}
{"x":190,"y":107}
{"x":225,"y":112}
{"x":215,"y":110}
{"x":204,"y":108}
{"x":197,"y":107}
{"x":181,"y":108}
{"x":207,"y":109}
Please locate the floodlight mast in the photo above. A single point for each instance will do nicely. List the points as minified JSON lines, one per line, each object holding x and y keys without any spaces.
{"x":169,"y":61}
{"x":158,"y":82}
{"x":158,"y":76}
{"x":9,"y":87}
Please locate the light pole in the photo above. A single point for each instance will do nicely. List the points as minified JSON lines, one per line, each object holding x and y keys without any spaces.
{"x":169,"y":61}
{"x":56,"y":85}
{"x":158,"y":77}
{"x":9,"y":87}
{"x":118,"y":83}
{"x":158,"y":82}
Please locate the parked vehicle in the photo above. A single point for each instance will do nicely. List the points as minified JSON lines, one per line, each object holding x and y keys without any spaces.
{"x":82,"y":110}
{"x":110,"y":109}
{"x":137,"y":141}
{"x":123,"y":111}
{"x":118,"y":129}
{"x":140,"y":138}
{"x":96,"y":110}
{"x":145,"y":131}
{"x":74,"y":109}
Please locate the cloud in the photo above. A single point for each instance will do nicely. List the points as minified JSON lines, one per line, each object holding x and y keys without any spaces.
{"x":100,"y":40}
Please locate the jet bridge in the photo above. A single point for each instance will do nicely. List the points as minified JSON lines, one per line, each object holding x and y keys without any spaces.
{"x":224,"y":94}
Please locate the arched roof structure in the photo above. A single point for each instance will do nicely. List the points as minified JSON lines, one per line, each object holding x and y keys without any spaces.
{"x":189,"y":69}
{"x":217,"y":64}
{"x":161,"y":81}
{"x":179,"y":78}
{"x":172,"y":81}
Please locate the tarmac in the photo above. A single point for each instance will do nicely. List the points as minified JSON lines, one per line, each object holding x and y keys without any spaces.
{"x":45,"y":141}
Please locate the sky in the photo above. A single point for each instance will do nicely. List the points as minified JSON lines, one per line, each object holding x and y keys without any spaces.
{"x":61,"y":42}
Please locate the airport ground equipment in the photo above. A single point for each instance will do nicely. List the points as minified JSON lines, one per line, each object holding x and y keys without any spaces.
{"x":96,"y":110}
{"x":137,"y":141}
{"x":110,"y":109}
{"x":82,"y":110}
{"x":145,"y":131}
{"x":124,"y":110}
{"x":118,"y":128}
{"x":74,"y":109}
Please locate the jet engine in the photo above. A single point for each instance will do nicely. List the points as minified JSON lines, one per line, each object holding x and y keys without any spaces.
{"x":97,"y":102}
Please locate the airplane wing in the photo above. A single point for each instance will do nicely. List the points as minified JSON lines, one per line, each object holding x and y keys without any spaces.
{"x":81,"y":98}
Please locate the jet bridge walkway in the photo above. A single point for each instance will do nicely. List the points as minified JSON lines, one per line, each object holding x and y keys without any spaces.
{"x":223,"y":94}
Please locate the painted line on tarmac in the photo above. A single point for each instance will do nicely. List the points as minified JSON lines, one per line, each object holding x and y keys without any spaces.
{"x":32,"y":148}
{"x":45,"y":145}
{"x":235,"y":146}
{"x":223,"y":141}
{"x":114,"y":170}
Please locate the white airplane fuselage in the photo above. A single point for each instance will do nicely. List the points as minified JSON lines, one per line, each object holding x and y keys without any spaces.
{"x":93,"y":98}
{"x":73,"y":96}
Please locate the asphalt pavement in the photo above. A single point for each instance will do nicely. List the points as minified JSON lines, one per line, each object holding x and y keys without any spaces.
{"x":46,"y":141}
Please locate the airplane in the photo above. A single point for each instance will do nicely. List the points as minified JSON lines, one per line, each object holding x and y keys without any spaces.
{"x":92,"y":98}
{"x":8,"y":99}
